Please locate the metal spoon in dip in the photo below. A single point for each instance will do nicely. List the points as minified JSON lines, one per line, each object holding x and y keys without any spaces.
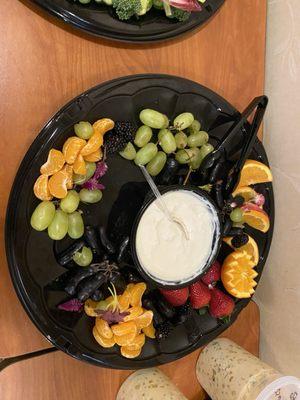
{"x":162,"y":204}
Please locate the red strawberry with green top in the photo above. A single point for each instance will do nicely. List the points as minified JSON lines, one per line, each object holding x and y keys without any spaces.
{"x":213,"y":275}
{"x":176,"y":297}
{"x":221,"y":305}
{"x":199,"y":295}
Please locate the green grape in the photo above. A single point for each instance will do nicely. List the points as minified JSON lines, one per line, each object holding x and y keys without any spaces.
{"x":143,"y":136}
{"x":145,"y":154}
{"x":183,"y":121}
{"x":154,"y":119}
{"x":197,"y":139}
{"x":42,"y":216}
{"x":90,"y":170}
{"x":196,"y":158}
{"x":167,"y":141}
{"x":129,"y":152}
{"x":76,"y":226}
{"x":157,"y":163}
{"x":84,"y":257}
{"x":70,"y":203}
{"x":184,"y":156}
{"x":84,"y":130}
{"x":181,"y":140}
{"x":194,"y":127}
{"x":206,"y":149}
{"x":58,"y":228}
{"x":236,"y":215}
{"x":90,"y":196}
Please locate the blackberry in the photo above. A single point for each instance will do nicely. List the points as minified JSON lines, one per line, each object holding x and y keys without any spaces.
{"x":162,"y":330}
{"x":117,"y":139}
{"x":239,"y":240}
{"x":182,"y":314}
{"x":238,"y":201}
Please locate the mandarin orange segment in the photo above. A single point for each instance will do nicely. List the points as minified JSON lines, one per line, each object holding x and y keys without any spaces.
{"x":54,"y":163}
{"x":72,"y":148}
{"x":103,"y":328}
{"x":57,"y":184}
{"x":257,"y":219}
{"x":136,"y":294}
{"x":149,"y":331}
{"x":138,"y":342}
{"x":124,"y":328}
{"x":94,"y":157}
{"x":254,"y":172}
{"x":79,"y":166}
{"x":127,"y":352}
{"x":124,"y":300}
{"x":102,"y":340}
{"x":68,"y":169}
{"x":125,"y":340}
{"x":144,"y":320}
{"x":103,"y":125}
{"x":41,"y":189}
{"x":89,"y":308}
{"x":134,"y":312}
{"x":93,"y":144}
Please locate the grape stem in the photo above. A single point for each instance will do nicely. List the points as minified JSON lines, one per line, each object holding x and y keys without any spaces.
{"x":187,"y":176}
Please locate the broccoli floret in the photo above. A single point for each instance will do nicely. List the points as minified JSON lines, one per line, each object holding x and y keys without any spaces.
{"x":181,"y":15}
{"x":125,"y":9}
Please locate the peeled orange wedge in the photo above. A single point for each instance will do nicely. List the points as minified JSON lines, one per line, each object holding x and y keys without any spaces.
{"x":144,"y":319}
{"x":79,"y":166}
{"x":68,"y":169}
{"x":134,"y":312}
{"x":257,"y":219}
{"x":103,"y":328}
{"x":94,"y":157}
{"x":41,"y":189}
{"x":124,"y":328}
{"x":125,"y":340}
{"x":250,"y":248}
{"x":238,"y":275}
{"x":72,"y":148}
{"x":254,"y":172}
{"x":128,"y":352}
{"x":149,"y":331}
{"x":136,"y":294}
{"x":104,"y":342}
{"x":54,"y":163}
{"x":57,"y":184}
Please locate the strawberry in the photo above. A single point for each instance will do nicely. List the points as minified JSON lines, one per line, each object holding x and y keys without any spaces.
{"x":176,"y":297}
{"x":220,"y":305}
{"x":199,"y":295}
{"x":213,"y":274}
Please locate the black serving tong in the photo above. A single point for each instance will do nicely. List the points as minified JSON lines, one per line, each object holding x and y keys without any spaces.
{"x":218,"y":157}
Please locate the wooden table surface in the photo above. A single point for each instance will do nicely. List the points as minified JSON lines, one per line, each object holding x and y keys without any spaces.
{"x":44,"y":64}
{"x":57,"y":376}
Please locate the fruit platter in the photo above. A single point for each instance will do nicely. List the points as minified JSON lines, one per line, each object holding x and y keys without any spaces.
{"x":111,"y":273}
{"x":133,"y":20}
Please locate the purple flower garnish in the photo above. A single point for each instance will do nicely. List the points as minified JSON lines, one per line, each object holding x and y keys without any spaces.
{"x":111,"y":317}
{"x":100,"y":171}
{"x":186,"y":5}
{"x":92,"y":184}
{"x":73,"y":305}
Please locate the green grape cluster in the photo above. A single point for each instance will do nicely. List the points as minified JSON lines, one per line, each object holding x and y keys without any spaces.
{"x":156,"y":139}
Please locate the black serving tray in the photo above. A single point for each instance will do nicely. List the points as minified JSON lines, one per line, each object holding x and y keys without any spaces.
{"x":30,"y":254}
{"x":101,"y":20}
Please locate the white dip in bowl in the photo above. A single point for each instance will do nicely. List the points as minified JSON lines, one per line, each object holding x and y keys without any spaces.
{"x":162,"y":249}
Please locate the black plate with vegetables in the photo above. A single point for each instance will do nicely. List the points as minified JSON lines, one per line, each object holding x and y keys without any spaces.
{"x":102,"y":20}
{"x":71,"y":261}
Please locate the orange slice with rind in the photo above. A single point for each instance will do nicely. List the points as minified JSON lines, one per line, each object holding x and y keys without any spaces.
{"x":41,"y":189}
{"x":238,"y":274}
{"x":250,"y":248}
{"x":254,"y":172}
{"x":257,"y":219}
{"x":247,"y":192}
{"x":57,"y":184}
{"x":72,"y":148}
{"x":54,"y":163}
